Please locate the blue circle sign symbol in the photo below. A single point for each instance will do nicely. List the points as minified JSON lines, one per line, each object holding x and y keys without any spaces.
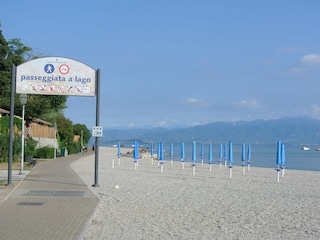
{"x":49,"y":68}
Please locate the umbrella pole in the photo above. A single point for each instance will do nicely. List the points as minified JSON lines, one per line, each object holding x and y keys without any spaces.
{"x":119,"y":160}
{"x":278,"y":173}
{"x":112,"y":163}
{"x":230,"y":171}
{"x":243,"y":168}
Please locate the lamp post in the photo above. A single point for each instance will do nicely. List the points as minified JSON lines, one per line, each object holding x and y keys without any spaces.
{"x":23,"y":100}
{"x":55,"y":141}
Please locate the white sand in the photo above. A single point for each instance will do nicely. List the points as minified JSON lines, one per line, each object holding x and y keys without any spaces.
{"x":175,"y":204}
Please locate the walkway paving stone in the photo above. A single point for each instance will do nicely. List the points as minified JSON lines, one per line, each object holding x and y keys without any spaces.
{"x":52,"y":202}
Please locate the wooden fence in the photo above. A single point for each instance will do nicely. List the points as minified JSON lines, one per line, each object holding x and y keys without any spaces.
{"x":38,"y":130}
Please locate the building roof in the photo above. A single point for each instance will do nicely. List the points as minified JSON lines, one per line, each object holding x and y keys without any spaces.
{"x":4,"y":111}
{"x":38,"y":120}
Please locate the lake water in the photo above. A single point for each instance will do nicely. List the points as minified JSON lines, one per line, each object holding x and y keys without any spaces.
{"x":261,"y":155}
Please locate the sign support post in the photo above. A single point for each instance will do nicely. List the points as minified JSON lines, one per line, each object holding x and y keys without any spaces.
{"x":96,"y":164}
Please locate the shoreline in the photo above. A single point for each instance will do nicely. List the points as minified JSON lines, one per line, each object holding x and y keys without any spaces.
{"x":175,"y":204}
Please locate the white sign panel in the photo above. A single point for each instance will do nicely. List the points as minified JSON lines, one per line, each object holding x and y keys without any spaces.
{"x":55,"y":76}
{"x":97,"y":131}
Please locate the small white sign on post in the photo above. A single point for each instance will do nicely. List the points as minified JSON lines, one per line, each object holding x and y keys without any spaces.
{"x":97,"y":131}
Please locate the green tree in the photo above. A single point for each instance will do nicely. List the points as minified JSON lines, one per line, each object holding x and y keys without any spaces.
{"x":15,"y":52}
{"x":65,"y":130}
{"x":77,"y":128}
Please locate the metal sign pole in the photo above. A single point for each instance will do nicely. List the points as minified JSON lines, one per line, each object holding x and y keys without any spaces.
{"x":96,"y":167}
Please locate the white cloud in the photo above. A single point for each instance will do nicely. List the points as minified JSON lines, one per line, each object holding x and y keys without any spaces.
{"x":310,"y":60}
{"x":195,"y":102}
{"x":251,"y":104}
{"x":132,"y":125}
{"x":165,"y":123}
{"x":307,"y":62}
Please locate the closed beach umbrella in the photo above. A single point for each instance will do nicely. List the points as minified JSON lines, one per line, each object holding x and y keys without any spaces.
{"x":283,"y":159}
{"x":119,"y":149}
{"x":161,"y":151}
{"x":230,"y":152}
{"x":182,"y":154}
{"x":220,"y":151}
{"x":171,"y":150}
{"x":230,"y":159}
{"x":249,"y":152}
{"x":243,"y":152}
{"x":202,"y":151}
{"x":194,"y":151}
{"x":136,"y":151}
{"x":210,"y":153}
{"x":249,"y":156}
{"x":225,"y":156}
{"x":283,"y":154}
{"x":278,"y":160}
{"x":151,"y":149}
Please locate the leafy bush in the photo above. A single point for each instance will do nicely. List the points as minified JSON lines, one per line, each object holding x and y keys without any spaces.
{"x":44,"y":152}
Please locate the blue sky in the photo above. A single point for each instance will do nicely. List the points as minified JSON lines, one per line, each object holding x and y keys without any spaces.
{"x":181,"y":63}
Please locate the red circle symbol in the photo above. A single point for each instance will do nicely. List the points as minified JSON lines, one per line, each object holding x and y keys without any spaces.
{"x":64,"y":69}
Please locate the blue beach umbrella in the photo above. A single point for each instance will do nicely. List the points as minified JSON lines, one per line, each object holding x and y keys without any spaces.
{"x":225,"y":156}
{"x":230,"y":153}
{"x":243,"y":152}
{"x":161,"y":151}
{"x":230,"y":159}
{"x":249,"y":153}
{"x":210,"y":153}
{"x":171,"y":150}
{"x":220,"y":152}
{"x":278,"y":160}
{"x":119,"y":152}
{"x":182,"y":154}
{"x":136,"y":151}
{"x":283,"y":155}
{"x":151,"y":149}
{"x":194,"y":151}
{"x":202,"y":151}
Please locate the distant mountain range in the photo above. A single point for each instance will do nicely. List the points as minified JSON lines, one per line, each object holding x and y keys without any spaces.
{"x":299,"y":130}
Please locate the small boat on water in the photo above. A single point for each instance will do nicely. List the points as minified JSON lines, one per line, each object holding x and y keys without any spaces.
{"x":305,"y":148}
{"x":318,"y":149}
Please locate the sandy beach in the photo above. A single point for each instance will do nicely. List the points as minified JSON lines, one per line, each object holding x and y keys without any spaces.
{"x":148,"y":203}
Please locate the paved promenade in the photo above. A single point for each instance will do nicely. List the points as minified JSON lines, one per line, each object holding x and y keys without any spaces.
{"x":52,"y":202}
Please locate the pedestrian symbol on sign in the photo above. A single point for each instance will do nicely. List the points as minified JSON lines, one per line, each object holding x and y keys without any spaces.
{"x":49,"y":68}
